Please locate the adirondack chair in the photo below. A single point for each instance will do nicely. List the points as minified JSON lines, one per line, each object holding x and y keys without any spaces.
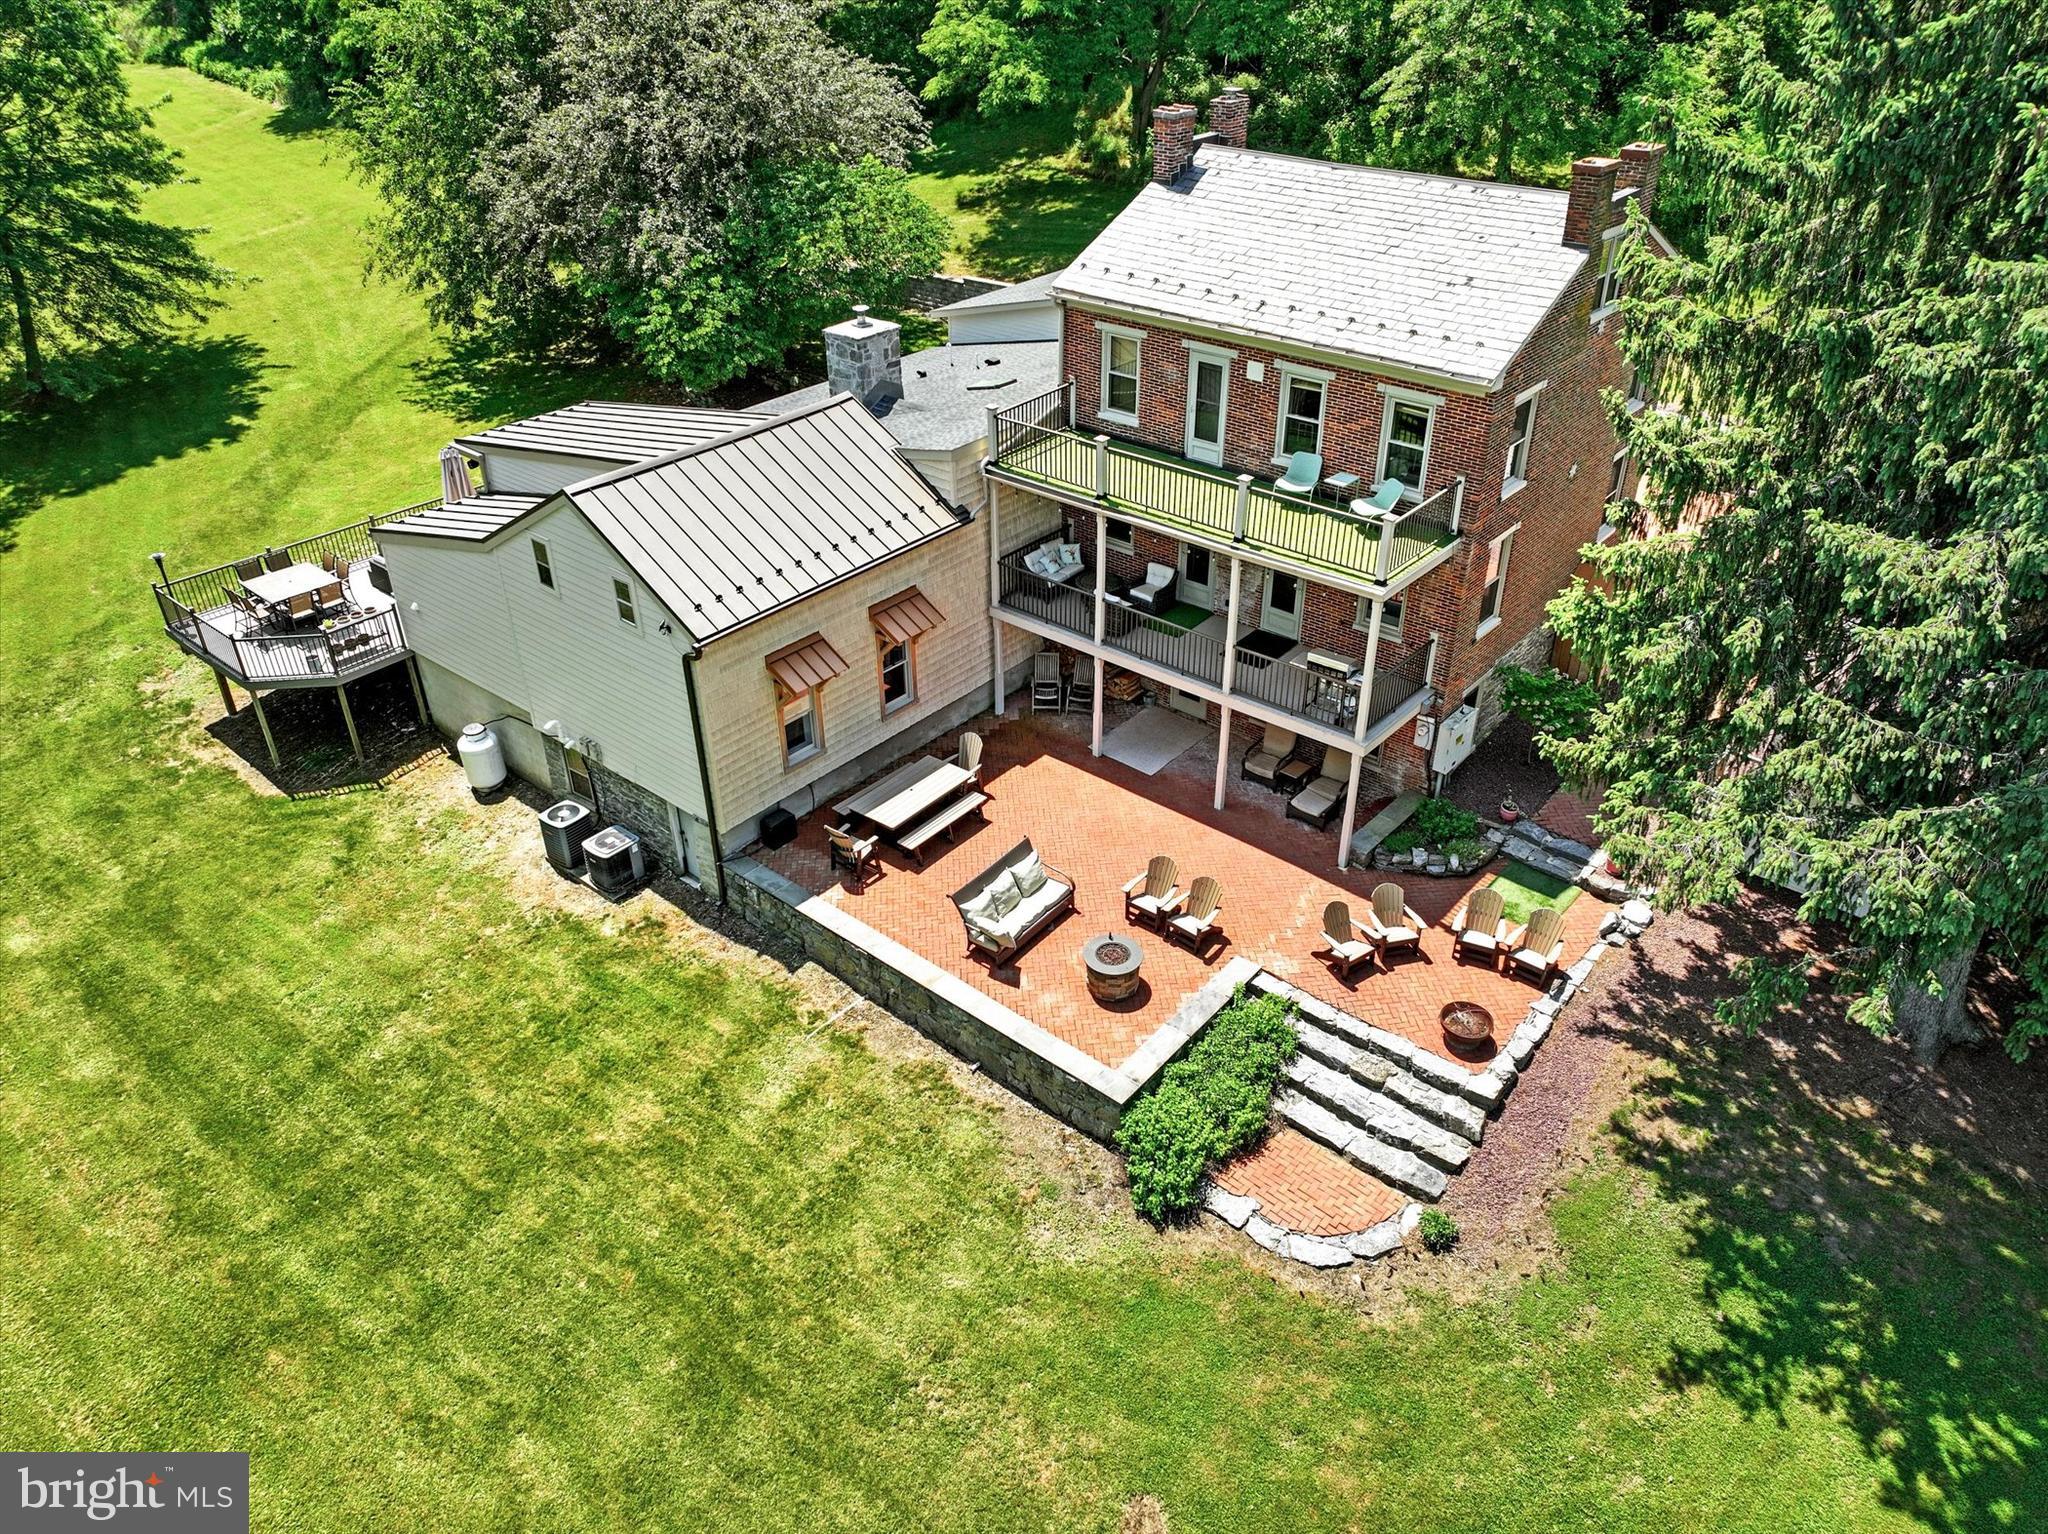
{"x":1479,"y":927}
{"x":1347,"y":941}
{"x":1539,"y":946}
{"x":1154,"y":894}
{"x":1199,"y":914}
{"x":1390,"y":923}
{"x":970,"y":758}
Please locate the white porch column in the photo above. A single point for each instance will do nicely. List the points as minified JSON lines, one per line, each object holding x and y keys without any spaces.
{"x":1101,"y":622}
{"x":995,"y":591}
{"x":1229,"y":677}
{"x":1358,"y":729}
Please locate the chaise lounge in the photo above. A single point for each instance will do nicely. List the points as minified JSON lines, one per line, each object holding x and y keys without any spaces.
{"x":1318,"y":802}
{"x":1012,"y":901}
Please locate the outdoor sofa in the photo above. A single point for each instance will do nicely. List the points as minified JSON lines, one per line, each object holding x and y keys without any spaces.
{"x":1054,"y":561}
{"x":1012,"y":901}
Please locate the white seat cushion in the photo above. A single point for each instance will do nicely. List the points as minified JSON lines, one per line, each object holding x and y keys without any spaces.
{"x":1191,"y":926}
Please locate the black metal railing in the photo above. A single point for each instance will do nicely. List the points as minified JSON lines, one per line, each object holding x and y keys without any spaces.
{"x":1068,"y":603}
{"x":1144,"y":637}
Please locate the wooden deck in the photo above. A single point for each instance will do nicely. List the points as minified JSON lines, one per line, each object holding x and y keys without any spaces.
{"x":264,"y":657}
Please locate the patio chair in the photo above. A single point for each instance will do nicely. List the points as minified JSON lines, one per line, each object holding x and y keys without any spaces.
{"x":1539,"y":945}
{"x":249,"y":569}
{"x":250,"y":608}
{"x":1045,"y":681}
{"x":1383,"y":497}
{"x":328,"y":598}
{"x":327,"y":563}
{"x":1262,"y":763}
{"x":1154,"y":894}
{"x":341,"y":569}
{"x":300,"y":606}
{"x":1081,"y":689}
{"x":1304,"y":473}
{"x":1198,"y":915}
{"x":1156,"y":594}
{"x":1346,"y":940}
{"x":276,"y":559}
{"x":970,"y":758}
{"x":1479,"y":926}
{"x":855,"y":854}
{"x":1318,"y":802}
{"x":1390,"y":923}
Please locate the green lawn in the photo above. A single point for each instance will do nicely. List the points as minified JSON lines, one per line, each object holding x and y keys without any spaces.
{"x":1017,"y":202}
{"x":461,"y":1215}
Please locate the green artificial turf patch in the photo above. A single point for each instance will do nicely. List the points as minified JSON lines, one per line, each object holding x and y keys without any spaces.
{"x":1524,"y":888}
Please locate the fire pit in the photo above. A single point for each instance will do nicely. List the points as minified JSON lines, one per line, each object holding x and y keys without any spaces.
{"x":1468,"y":1027}
{"x":1112,"y":964}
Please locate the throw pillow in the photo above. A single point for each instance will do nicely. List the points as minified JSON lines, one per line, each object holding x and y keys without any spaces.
{"x":1030,"y":875}
{"x":1003,"y":896}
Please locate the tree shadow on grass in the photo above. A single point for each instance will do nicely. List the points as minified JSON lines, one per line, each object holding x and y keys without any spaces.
{"x":1039,"y":209}
{"x":184,"y":396}
{"x":1871,"y":1233}
{"x":477,"y":376}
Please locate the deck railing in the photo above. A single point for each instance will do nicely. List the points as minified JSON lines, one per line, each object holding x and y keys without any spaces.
{"x":1070,"y":604}
{"x":199,"y":609}
{"x":1035,"y":441}
{"x":1149,"y":638}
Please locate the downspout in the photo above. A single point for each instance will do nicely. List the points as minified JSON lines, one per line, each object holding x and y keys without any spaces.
{"x":704,"y":771}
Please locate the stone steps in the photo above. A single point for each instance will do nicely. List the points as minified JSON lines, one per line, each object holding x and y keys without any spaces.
{"x":1392,"y":1165}
{"x":1376,"y":1114}
{"x":1445,"y":1109}
{"x":1481,"y":1090}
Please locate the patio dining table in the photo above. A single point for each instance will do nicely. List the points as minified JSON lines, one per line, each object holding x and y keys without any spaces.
{"x":278,"y":587}
{"x":906,"y":795}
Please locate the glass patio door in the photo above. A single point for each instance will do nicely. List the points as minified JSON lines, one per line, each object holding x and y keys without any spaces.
{"x":1207,"y":391}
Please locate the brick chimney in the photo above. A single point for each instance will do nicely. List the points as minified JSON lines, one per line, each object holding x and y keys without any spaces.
{"x":1591,"y":206}
{"x":1230,"y":116}
{"x":1639,"y":165}
{"x":864,"y":356}
{"x":1173,"y":141}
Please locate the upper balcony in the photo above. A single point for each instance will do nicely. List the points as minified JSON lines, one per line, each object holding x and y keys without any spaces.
{"x":1036,"y":447}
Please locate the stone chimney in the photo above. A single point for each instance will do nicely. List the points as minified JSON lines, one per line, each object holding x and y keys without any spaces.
{"x":864,"y":356}
{"x":1639,"y":165}
{"x":1173,"y":141}
{"x":1230,"y":116}
{"x":1591,"y":206}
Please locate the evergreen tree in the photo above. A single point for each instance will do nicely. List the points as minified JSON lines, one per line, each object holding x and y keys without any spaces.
{"x":1840,"y":681}
{"x":84,"y":271}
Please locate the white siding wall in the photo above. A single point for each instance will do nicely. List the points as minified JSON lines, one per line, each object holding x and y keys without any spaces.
{"x":748,"y":773}
{"x":561,"y":654}
{"x":1027,"y":322}
{"x":508,"y":473}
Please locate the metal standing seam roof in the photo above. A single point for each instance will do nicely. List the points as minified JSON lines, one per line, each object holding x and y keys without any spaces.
{"x":1434,"y":274}
{"x":470,"y":520}
{"x":611,"y":431}
{"x":739,"y":527}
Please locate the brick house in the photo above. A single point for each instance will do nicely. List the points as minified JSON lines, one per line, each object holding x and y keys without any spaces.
{"x":1453,"y":335}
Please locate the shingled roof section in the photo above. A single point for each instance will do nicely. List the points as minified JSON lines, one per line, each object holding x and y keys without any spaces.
{"x":734,"y":529}
{"x":1432,"y":274}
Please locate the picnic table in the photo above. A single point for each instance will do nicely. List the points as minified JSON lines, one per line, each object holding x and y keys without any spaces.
{"x":906,"y":794}
{"x":277,"y":587}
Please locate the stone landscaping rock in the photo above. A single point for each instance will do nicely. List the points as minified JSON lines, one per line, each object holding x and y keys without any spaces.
{"x":1410,"y":1218}
{"x":1376,"y":1242}
{"x":1637,"y":913}
{"x":1231,"y":1208}
{"x":1262,"y":1230}
{"x":1316,"y":1252}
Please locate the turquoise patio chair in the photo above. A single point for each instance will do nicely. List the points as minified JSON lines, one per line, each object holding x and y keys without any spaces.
{"x":1304,"y":473}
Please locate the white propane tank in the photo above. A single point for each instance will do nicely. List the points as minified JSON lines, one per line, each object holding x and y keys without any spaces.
{"x":483,"y":759}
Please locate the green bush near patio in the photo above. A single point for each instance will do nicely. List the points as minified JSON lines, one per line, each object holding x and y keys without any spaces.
{"x":1207,"y":1106}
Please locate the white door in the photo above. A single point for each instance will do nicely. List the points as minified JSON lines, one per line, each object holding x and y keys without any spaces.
{"x":1208,"y":401}
{"x":1280,"y":611}
{"x":1197,"y":570}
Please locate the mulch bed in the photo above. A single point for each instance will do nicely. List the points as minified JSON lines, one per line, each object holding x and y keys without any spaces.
{"x":1505,"y":763}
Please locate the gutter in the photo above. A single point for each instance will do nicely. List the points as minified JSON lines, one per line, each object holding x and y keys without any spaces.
{"x":704,"y":771}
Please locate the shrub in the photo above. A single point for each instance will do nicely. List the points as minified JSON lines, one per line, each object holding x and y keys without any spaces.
{"x":1438,"y":821}
{"x":1469,"y":852}
{"x":1438,"y":1230}
{"x":1400,"y":844}
{"x":1207,"y":1106}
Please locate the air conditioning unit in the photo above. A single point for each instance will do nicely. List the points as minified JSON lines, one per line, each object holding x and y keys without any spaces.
{"x":563,"y":829}
{"x":616,"y":865}
{"x":1455,"y":738}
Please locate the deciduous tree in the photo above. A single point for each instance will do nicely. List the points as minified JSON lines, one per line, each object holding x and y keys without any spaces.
{"x":1841,"y":680}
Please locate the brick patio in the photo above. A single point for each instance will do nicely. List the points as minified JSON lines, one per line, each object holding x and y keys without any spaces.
{"x":1099,"y":821}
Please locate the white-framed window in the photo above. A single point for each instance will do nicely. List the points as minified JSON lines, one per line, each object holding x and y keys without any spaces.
{"x":622,"y":600}
{"x":1119,"y":534}
{"x":1390,"y":617}
{"x":802,"y":735}
{"x":898,"y":661}
{"x":1121,"y":353}
{"x":1516,"y":473}
{"x":1405,"y":425}
{"x":1617,"y":484}
{"x":543,"y":567}
{"x":1303,"y":397}
{"x":1495,"y":590}
{"x":1639,"y":387}
{"x":1608,"y":293}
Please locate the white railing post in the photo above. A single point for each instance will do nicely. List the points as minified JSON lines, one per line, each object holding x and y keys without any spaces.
{"x":1070,"y":404}
{"x":1457,"y":503}
{"x":995,"y":590}
{"x":1359,"y":727}
{"x":1101,"y":465}
{"x":1229,"y":677}
{"x":1383,"y":553}
{"x":1242,"y":515}
{"x":993,"y":429}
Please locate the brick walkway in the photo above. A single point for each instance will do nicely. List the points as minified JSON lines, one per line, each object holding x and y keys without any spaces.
{"x":1570,"y":815}
{"x":1301,"y":1185}
{"x":1099,"y":821}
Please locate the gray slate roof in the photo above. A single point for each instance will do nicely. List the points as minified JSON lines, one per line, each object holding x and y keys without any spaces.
{"x":731,"y":530}
{"x":1033,"y":290}
{"x":467,"y":521}
{"x":609,"y":431}
{"x":948,"y":389}
{"x":1431,"y":273}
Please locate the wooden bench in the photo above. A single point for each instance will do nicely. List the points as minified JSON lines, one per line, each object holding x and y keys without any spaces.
{"x":943,"y":822}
